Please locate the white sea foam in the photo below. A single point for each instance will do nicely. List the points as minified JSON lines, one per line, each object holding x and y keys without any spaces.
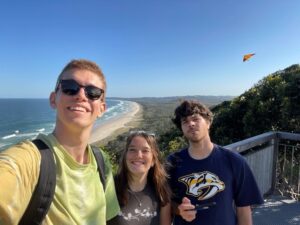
{"x":8,"y":136}
{"x":28,"y":134}
{"x":115,"y":107}
{"x":40,"y":130}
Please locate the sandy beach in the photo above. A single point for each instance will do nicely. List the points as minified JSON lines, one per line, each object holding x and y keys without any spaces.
{"x":110,"y":129}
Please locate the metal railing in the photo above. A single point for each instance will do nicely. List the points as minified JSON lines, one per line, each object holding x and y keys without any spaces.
{"x":288,"y":170}
{"x":274,"y":158}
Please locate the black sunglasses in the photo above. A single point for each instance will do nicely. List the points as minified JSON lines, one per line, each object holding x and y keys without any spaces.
{"x":71,"y":87}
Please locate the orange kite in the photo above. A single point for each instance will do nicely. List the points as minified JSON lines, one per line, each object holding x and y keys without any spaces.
{"x":248,"y":56}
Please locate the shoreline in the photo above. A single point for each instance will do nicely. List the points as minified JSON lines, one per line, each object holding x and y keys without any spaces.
{"x":108,"y":130}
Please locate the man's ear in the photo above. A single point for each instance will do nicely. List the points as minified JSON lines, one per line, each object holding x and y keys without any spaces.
{"x":52,"y":100}
{"x":102,"y":109}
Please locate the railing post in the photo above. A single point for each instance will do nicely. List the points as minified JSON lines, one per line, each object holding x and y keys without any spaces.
{"x":299,"y":181}
{"x":275,"y":142}
{"x":292,"y":165}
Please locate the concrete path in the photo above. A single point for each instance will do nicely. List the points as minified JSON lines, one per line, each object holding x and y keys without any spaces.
{"x":277,"y":210}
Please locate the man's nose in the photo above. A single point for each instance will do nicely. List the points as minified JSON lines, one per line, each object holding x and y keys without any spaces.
{"x":81,"y":93}
{"x":191,"y":123}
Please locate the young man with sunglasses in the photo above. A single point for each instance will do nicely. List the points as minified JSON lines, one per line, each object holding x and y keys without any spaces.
{"x":211,"y":185}
{"x":79,"y":198}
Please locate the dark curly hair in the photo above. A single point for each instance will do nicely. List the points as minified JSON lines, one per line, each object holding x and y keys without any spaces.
{"x":188,"y":108}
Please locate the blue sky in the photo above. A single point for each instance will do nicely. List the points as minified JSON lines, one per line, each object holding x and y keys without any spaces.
{"x":147,"y":48}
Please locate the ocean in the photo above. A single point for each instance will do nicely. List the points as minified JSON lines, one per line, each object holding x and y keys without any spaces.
{"x":22,"y":119}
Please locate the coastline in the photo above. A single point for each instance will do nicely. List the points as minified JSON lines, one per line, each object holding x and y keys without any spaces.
{"x":109,"y":130}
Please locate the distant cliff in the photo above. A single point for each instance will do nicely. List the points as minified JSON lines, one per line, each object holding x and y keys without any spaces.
{"x":208,"y":100}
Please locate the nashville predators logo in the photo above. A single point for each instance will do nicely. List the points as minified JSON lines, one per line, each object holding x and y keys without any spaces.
{"x":202,"y":185}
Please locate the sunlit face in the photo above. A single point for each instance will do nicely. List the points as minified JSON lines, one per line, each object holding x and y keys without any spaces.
{"x":195,"y":128}
{"x":77,"y":111}
{"x":139,"y":157}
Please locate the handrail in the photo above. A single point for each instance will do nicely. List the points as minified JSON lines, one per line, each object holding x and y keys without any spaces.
{"x":263,"y":156}
{"x":254,"y":141}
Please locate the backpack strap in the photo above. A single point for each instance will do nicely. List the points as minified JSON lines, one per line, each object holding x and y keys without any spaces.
{"x":42,"y":196}
{"x":101,"y":165}
{"x":44,"y":191}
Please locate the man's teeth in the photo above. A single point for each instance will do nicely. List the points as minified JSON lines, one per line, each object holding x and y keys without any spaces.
{"x":77,"y":109}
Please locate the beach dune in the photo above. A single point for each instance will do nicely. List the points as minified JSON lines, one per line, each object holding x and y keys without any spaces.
{"x":110,"y":129}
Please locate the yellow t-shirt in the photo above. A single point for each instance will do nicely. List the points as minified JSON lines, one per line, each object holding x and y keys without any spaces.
{"x":79,"y":197}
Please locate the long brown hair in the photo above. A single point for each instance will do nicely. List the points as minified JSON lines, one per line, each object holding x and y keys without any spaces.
{"x":157,"y":175}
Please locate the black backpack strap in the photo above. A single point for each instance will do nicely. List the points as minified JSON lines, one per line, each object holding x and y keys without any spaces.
{"x":101,"y":166}
{"x":44,"y":191}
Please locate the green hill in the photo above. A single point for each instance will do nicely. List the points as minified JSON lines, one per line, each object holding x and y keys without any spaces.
{"x":273,"y":104}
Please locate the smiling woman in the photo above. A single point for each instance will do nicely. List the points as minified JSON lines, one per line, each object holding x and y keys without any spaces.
{"x":141,"y":183}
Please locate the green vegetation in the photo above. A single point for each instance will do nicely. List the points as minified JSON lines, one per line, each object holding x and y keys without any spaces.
{"x":271,"y":105}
